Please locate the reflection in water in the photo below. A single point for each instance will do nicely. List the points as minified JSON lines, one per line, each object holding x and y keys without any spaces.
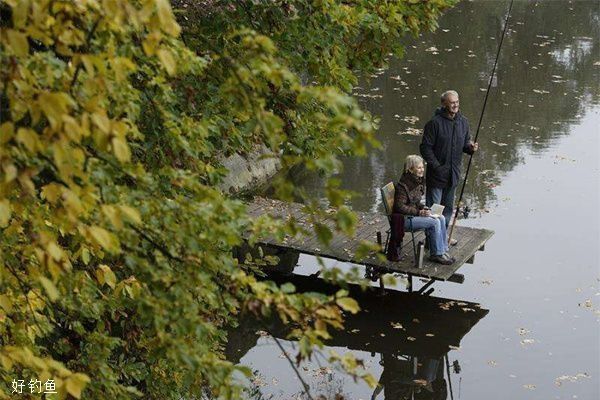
{"x":546,"y":79}
{"x":411,"y":333}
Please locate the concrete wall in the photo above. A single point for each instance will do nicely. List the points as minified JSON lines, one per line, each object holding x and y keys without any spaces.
{"x":249,"y":171}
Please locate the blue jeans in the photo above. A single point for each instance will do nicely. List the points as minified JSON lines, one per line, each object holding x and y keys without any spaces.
{"x":435,"y":230}
{"x":443,"y":196}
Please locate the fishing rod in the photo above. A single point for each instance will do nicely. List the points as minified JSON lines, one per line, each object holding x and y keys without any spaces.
{"x":487,"y":93}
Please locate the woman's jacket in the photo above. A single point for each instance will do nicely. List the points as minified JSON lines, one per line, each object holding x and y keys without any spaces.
{"x":409,"y":191}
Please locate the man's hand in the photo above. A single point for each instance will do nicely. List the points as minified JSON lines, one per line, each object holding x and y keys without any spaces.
{"x":425,"y":212}
{"x":474,"y":146}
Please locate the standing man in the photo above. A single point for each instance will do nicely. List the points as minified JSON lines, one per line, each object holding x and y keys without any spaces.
{"x":445,"y":137}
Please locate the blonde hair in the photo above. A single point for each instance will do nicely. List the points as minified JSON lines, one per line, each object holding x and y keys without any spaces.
{"x":412,"y":161}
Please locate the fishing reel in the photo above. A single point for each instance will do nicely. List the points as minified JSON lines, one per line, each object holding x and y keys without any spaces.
{"x":465,"y":211}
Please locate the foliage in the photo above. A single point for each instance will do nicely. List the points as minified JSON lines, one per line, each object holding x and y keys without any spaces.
{"x":116,"y":271}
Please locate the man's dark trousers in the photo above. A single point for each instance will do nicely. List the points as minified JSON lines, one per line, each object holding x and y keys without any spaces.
{"x":443,"y":196}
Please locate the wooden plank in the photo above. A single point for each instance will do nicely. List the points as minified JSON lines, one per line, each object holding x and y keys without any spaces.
{"x":343,"y":247}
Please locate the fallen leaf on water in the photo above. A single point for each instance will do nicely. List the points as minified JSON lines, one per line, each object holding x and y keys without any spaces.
{"x":322,"y":371}
{"x":570,"y":378}
{"x":530,"y":387}
{"x":410,"y":131}
{"x":499,"y":144}
{"x":420,"y":382}
{"x":412,"y":339}
{"x":586,"y":304}
{"x":431,"y":49}
{"x":486,"y":282}
{"x":396,"y":325}
{"x":492,"y":363}
{"x":527,"y":341}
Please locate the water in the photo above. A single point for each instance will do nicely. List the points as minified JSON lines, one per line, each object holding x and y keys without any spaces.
{"x":535,"y":182}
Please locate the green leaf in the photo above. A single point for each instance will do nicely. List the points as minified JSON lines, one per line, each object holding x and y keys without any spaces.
{"x":346,"y":220}
{"x":324,"y":234}
{"x":288,"y":287}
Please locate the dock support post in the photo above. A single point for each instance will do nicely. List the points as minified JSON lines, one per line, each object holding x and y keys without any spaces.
{"x":381,"y":285}
{"x":410,"y":283}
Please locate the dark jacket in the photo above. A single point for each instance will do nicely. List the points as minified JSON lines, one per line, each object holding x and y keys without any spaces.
{"x":408,"y":193}
{"x":444,"y":141}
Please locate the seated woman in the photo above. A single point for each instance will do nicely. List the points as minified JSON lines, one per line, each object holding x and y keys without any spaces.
{"x":407,"y":201}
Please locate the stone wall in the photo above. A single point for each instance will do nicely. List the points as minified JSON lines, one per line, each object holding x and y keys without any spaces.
{"x":249,"y":171}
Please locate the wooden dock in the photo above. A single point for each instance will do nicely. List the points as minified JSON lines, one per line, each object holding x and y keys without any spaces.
{"x":343,"y":247}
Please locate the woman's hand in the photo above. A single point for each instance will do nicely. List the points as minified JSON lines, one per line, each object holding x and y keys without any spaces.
{"x":425,"y":212}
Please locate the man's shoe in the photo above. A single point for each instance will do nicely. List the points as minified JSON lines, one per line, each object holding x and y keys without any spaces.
{"x":440,"y":260}
{"x":453,"y":242}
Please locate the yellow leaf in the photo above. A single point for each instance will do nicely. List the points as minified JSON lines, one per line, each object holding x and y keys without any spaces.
{"x":85,"y":256}
{"x":166,"y":18}
{"x":5,"y":212}
{"x":101,"y":120}
{"x":51,"y":192}
{"x":17,"y":41}
{"x":167,"y":60}
{"x":100,"y":276}
{"x":6,"y":303}
{"x":7,"y":130}
{"x":370,"y":380}
{"x":105,"y":239}
{"x":348,"y":304}
{"x":72,"y":128}
{"x":55,"y":251}
{"x":76,"y":383}
{"x":54,"y":106}
{"x":88,"y":63}
{"x":51,"y":290}
{"x":121,"y":149}
{"x":28,"y":138}
{"x":131,"y":214}
{"x":107,"y":275}
{"x":72,"y":202}
{"x":10,"y":172}
{"x":113,"y":215}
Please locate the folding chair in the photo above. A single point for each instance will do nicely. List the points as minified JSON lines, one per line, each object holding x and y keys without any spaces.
{"x":387,"y":196}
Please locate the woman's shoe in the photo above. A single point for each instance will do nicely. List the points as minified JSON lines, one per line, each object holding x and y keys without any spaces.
{"x":449,"y":257}
{"x":440,"y":259}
